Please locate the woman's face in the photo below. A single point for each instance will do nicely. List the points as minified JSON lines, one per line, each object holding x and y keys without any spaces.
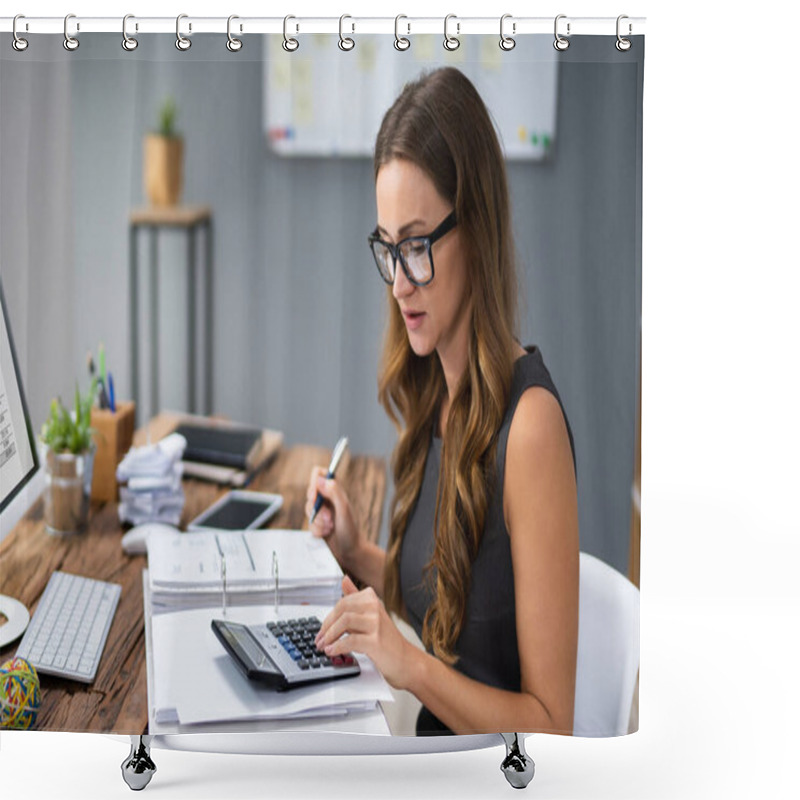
{"x":437,"y":314}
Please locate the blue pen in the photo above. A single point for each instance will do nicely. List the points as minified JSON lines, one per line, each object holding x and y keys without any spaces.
{"x":111,"y":402}
{"x":338,"y":452}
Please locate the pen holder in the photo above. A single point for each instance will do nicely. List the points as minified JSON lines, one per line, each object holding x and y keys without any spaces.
{"x":113,"y":438}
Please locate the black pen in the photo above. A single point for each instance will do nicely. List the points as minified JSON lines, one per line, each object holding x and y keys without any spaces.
{"x":338,"y":452}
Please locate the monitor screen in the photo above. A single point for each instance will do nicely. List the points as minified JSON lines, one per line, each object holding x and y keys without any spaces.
{"x":18,"y":461}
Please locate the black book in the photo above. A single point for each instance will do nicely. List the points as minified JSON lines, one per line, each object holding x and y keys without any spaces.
{"x":231,"y":447}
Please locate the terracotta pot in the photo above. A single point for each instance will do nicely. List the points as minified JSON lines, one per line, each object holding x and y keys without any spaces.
{"x":163,"y":169}
{"x":68,"y":482}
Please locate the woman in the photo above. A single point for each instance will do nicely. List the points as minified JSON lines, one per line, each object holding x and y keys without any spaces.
{"x":483,"y":547}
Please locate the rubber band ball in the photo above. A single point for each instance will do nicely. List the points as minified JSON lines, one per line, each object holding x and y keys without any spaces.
{"x":20,"y":694}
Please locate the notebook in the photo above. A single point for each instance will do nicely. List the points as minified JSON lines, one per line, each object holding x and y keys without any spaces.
{"x":230,"y":446}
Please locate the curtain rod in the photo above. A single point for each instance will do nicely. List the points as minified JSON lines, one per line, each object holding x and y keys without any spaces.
{"x":349,"y":25}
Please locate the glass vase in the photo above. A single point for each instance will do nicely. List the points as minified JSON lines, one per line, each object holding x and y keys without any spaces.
{"x":68,"y":484}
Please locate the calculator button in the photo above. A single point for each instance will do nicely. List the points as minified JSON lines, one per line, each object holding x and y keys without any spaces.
{"x":302,"y":663}
{"x":326,"y":662}
{"x":337,"y":661}
{"x":348,"y":660}
{"x":315,"y":662}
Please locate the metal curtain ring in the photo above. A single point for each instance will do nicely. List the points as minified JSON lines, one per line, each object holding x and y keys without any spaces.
{"x":400,"y":42}
{"x":233,"y":44}
{"x":129,"y":43}
{"x":560,"y":42}
{"x":622,"y":44}
{"x":451,"y":42}
{"x":289,"y":44}
{"x":18,"y":43}
{"x":70,"y":42}
{"x":507,"y":42}
{"x":345,"y":42}
{"x":181,"y":42}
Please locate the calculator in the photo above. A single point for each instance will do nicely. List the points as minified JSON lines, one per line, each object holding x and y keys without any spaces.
{"x":282,"y":654}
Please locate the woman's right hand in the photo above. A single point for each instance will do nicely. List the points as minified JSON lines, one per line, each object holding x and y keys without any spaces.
{"x":334,"y":521}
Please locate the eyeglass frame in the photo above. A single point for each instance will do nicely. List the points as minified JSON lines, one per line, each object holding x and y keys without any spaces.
{"x":444,"y":227}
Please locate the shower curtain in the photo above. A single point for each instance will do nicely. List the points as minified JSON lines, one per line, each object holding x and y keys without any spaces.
{"x":276,"y":156}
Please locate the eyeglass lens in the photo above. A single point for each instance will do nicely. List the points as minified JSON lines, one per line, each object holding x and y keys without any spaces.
{"x":414,"y":254}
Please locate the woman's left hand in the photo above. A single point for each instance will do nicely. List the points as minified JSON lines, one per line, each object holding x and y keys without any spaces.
{"x":360,"y":622}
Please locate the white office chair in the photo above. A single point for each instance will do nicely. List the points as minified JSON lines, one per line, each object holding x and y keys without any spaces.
{"x":608,"y":650}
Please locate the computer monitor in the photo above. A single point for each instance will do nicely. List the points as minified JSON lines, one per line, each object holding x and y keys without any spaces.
{"x":18,"y":459}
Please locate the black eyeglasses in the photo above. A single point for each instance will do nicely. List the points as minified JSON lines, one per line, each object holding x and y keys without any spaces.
{"x":414,"y":253}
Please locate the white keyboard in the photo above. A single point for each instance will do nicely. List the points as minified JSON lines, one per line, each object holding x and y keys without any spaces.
{"x":68,"y":631}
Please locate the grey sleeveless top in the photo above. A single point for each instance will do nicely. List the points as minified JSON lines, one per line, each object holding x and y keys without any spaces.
{"x":487,"y":645}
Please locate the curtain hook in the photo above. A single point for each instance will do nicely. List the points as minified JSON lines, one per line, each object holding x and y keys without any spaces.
{"x":129,"y":43}
{"x":400,"y":42}
{"x":233,"y":44}
{"x":289,"y":44}
{"x":560,"y":42}
{"x":18,"y":43}
{"x":623,"y":44}
{"x":70,"y":42}
{"x":181,"y":42}
{"x":345,"y":42}
{"x":451,"y":42}
{"x":507,"y":42}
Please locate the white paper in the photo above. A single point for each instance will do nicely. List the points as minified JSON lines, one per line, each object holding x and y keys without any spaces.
{"x":195,"y":677}
{"x":152,"y":460}
{"x":194,"y":559}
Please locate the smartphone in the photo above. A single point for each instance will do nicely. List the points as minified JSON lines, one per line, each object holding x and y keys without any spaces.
{"x":238,"y":511}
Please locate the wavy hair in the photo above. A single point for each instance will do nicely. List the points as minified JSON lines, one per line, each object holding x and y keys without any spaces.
{"x":441,"y":124}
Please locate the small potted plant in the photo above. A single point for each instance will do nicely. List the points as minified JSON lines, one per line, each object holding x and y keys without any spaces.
{"x":163,"y":159}
{"x":68,"y":447}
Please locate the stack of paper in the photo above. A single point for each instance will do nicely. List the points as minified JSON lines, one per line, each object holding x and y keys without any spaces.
{"x":190,"y":570}
{"x":153,"y":475}
{"x":197,"y":682}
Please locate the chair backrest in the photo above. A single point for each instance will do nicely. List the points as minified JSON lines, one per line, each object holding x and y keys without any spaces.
{"x":608,"y":650}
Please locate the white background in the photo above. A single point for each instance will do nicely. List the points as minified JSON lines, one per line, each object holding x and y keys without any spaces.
{"x":719,"y":696}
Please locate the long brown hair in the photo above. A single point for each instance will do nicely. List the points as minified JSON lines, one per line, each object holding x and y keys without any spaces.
{"x":441,"y":124}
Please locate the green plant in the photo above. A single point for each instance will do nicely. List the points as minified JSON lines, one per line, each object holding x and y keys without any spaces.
{"x":70,"y":432}
{"x":166,"y":117}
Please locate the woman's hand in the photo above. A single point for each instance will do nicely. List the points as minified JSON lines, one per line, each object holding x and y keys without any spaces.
{"x":360,"y":622}
{"x":334,"y":521}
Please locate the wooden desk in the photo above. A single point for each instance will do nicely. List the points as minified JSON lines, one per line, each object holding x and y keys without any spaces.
{"x":117,"y":700}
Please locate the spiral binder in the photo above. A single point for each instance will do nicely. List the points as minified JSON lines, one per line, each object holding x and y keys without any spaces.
{"x":291,"y":27}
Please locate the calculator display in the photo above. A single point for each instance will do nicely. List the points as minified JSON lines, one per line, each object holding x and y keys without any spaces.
{"x":239,"y":635}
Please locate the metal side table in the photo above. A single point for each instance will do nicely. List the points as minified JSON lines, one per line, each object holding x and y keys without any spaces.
{"x":189,"y":220}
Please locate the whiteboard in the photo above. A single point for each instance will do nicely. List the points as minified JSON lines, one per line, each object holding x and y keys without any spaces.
{"x":321,"y":101}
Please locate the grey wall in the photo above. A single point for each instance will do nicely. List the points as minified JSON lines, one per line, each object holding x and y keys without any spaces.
{"x":298,"y":307}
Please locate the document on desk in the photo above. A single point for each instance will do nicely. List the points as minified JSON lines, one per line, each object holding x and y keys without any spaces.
{"x":196,"y":681}
{"x":186,"y":569}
